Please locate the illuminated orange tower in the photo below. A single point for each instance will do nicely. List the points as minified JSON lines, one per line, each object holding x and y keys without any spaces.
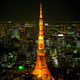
{"x":41,"y":69}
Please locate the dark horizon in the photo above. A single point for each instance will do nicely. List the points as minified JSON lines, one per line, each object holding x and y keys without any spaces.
{"x":29,"y":10}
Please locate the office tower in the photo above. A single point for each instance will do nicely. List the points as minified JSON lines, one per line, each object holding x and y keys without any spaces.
{"x":2,"y":30}
{"x":15,"y":33}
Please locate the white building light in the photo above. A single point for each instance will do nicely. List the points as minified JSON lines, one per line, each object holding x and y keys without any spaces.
{"x":60,"y":35}
{"x":46,"y":24}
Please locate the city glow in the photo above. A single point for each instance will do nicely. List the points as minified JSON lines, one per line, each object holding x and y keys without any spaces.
{"x":60,"y":35}
{"x":56,"y":62}
{"x":39,"y":76}
{"x":11,"y":56}
{"x":20,"y":67}
{"x":46,"y":24}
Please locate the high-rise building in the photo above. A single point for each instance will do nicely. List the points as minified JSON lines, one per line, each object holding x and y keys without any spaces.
{"x":15,"y":33}
{"x":2,"y":30}
{"x":41,"y":69}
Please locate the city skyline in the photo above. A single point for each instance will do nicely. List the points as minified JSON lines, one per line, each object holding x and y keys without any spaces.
{"x":39,"y":43}
{"x":29,"y":10}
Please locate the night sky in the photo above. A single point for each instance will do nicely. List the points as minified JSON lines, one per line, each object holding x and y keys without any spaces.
{"x":28,"y":10}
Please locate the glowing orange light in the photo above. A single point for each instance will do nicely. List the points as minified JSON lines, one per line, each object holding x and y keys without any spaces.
{"x":40,"y":37}
{"x":41,"y":68}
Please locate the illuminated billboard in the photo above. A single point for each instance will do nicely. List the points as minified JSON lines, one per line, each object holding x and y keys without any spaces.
{"x":60,"y":35}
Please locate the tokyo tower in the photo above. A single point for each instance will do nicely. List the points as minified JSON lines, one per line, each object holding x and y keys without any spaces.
{"x":41,"y":69}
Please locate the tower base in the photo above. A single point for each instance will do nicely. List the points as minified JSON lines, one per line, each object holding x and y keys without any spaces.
{"x":41,"y":69}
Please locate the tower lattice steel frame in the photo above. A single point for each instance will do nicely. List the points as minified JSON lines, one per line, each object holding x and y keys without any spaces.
{"x":41,"y":69}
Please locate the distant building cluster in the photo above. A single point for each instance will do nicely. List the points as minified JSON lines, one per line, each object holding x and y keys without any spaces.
{"x":62,"y":42}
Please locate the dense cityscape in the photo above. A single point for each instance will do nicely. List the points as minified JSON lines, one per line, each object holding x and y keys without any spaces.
{"x":39,"y":50}
{"x":18,"y":45}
